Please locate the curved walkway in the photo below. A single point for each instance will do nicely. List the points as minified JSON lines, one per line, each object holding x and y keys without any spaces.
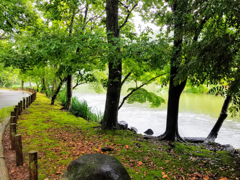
{"x":11,"y":98}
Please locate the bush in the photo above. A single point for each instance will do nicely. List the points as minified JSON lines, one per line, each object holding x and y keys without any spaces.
{"x":62,"y":97}
{"x":80,"y":108}
{"x":196,"y":89}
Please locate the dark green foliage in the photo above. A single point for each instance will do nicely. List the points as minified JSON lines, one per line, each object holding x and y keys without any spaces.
{"x":217,"y":90}
{"x":142,"y":96}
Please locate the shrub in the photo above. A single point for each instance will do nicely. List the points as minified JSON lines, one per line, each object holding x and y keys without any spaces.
{"x":80,"y":108}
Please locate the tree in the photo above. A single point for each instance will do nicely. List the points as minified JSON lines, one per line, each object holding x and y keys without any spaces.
{"x":215,"y":57}
{"x":78,"y":19}
{"x":114,"y":85}
{"x":8,"y":76}
{"x":187,"y":20}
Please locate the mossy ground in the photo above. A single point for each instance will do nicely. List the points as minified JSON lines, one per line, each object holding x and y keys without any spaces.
{"x":60,"y":137}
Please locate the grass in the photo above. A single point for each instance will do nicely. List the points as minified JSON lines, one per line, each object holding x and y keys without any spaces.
{"x":81,"y":108}
{"x":60,"y":137}
{"x":5,"y":112}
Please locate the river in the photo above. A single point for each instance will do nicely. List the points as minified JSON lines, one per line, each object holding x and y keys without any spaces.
{"x":197,"y":114}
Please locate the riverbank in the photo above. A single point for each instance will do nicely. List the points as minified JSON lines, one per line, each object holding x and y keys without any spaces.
{"x":60,"y":137}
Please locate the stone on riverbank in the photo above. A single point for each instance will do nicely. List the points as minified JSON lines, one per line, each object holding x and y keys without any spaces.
{"x":96,"y":167}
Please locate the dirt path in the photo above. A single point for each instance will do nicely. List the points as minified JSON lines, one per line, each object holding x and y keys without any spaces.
{"x":11,"y":98}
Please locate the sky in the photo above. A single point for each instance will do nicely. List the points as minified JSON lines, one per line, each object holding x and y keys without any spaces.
{"x":139,"y":22}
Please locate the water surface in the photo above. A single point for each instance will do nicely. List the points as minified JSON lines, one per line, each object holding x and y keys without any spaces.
{"x":197,"y":114}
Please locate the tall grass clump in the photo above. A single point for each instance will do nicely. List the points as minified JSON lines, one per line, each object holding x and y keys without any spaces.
{"x":80,"y":108}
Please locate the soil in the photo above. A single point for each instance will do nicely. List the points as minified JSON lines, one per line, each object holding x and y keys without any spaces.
{"x":22,"y":172}
{"x":15,"y":173}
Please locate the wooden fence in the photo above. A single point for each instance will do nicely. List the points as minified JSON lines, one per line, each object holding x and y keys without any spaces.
{"x":16,"y":139}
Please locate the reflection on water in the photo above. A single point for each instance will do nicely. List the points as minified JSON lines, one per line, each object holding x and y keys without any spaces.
{"x":198,"y":114}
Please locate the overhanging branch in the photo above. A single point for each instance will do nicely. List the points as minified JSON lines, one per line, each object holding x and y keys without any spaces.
{"x":125,"y":78}
{"x":126,"y":97}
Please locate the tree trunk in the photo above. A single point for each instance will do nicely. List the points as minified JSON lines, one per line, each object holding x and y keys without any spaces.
{"x":175,"y":90}
{"x":57,"y":91}
{"x":110,"y":117}
{"x":223,"y":115}
{"x":22,"y":85}
{"x":69,"y":92}
{"x":43,"y":86}
{"x":55,"y":80}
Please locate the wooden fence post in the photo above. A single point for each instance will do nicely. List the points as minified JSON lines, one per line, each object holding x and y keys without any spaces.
{"x":33,"y":167}
{"x":19,"y":109}
{"x":21,"y":106}
{"x":29,"y":100}
{"x":24,"y":103}
{"x":16,"y":111}
{"x":13,"y":130}
{"x":18,"y":148}
{"x":13,"y":119}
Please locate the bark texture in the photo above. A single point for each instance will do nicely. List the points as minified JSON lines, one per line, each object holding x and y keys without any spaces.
{"x":223,"y":115}
{"x":110,"y":117}
{"x":69,"y":92}
{"x":22,"y":85}
{"x":43,"y":86}
{"x":57,"y":91}
{"x":175,"y":90}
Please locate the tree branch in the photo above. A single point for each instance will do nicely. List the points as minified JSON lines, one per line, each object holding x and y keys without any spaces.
{"x":78,"y":84}
{"x":126,"y":97}
{"x":125,"y":78}
{"x":198,"y":30}
{"x":129,"y":12}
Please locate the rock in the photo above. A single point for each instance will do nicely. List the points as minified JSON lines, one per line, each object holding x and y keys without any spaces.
{"x":133,"y":129}
{"x":123,"y":125}
{"x":149,"y":132}
{"x":96,"y":167}
{"x":228,"y":148}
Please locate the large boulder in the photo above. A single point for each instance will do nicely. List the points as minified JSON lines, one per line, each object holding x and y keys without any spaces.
{"x":96,"y":167}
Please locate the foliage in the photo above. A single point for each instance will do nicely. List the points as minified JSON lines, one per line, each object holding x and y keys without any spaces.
{"x":196,"y":89}
{"x":223,"y":91}
{"x":8,"y":76}
{"x":142,"y":96}
{"x":80,"y":108}
{"x":62,"y":97}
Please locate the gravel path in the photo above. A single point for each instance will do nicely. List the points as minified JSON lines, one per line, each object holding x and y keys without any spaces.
{"x":11,"y":98}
